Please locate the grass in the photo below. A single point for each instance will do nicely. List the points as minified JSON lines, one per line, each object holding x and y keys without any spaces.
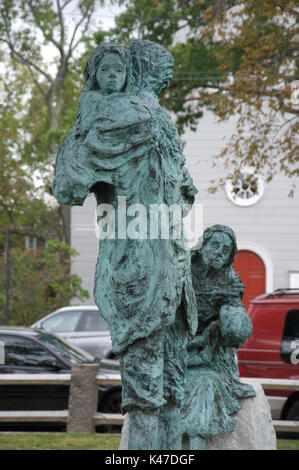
{"x":285,"y":444}
{"x":64,"y":441}
{"x":58,"y":441}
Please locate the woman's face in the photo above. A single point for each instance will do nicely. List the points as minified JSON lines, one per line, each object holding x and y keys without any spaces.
{"x":111,"y":73}
{"x":216,"y":251}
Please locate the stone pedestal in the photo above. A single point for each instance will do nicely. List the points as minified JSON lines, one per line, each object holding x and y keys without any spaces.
{"x":253,"y":430}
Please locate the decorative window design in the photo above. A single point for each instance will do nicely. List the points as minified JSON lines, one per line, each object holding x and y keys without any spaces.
{"x":246,"y":189}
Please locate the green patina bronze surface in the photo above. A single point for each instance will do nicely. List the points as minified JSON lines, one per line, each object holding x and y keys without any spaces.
{"x":213,"y":391}
{"x":124,"y":144}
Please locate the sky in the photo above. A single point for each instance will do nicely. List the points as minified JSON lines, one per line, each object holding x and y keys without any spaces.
{"x":102,"y":18}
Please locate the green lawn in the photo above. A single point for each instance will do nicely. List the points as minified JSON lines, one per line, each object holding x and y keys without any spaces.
{"x":64,"y":441}
{"x":285,"y":444}
{"x":58,"y":441}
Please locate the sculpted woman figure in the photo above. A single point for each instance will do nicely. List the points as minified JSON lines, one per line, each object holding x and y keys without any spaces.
{"x":213,"y":389}
{"x":123,"y":146}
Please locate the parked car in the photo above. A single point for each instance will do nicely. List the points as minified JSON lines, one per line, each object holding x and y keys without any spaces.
{"x":272,"y":351}
{"x":82,"y":326}
{"x":28,"y":351}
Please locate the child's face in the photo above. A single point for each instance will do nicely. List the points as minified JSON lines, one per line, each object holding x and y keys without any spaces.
{"x":216,"y":251}
{"x":111,"y":74}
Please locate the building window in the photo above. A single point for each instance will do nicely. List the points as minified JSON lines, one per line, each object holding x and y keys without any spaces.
{"x":294,"y":279}
{"x":30,"y":243}
{"x":246,"y":189}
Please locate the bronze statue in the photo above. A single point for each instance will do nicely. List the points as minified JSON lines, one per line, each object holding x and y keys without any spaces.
{"x":124,"y":145}
{"x":213,"y":389}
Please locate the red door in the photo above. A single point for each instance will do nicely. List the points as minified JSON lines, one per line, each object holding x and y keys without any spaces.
{"x":252,"y":272}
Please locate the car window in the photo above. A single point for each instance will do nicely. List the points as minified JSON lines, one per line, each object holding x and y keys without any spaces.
{"x":289,"y":347}
{"x":291,"y":325}
{"x":19,"y":351}
{"x":92,"y":321}
{"x":62,"y":322}
{"x":67,"y":351}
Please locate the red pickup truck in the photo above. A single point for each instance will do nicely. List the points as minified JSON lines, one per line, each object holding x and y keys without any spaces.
{"x":272,"y":351}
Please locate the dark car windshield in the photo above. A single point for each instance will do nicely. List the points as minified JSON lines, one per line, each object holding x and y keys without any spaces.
{"x":65,"y":350}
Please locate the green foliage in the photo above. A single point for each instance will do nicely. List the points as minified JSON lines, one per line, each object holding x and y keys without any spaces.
{"x":42,"y":93}
{"x":235,"y":58}
{"x":40,"y":282}
{"x":196,"y":63}
{"x":42,"y":98}
{"x":196,"y":69}
{"x":22,"y":206}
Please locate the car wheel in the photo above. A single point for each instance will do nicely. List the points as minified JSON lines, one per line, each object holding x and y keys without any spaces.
{"x":113,"y":356}
{"x":293,"y":413}
{"x":111,"y":404}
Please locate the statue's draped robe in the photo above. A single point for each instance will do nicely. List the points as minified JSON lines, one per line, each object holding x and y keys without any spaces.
{"x":122,"y":145}
{"x":213,"y":389}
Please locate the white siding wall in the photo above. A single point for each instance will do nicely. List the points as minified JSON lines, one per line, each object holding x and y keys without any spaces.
{"x":84,"y":240}
{"x":272,"y":224}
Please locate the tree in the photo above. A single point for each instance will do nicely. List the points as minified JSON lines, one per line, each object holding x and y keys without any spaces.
{"x":236,"y":58}
{"x":40,"y":282}
{"x":164,"y":21}
{"x":38,"y":102}
{"x":52,"y":86}
{"x":23,"y":209}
